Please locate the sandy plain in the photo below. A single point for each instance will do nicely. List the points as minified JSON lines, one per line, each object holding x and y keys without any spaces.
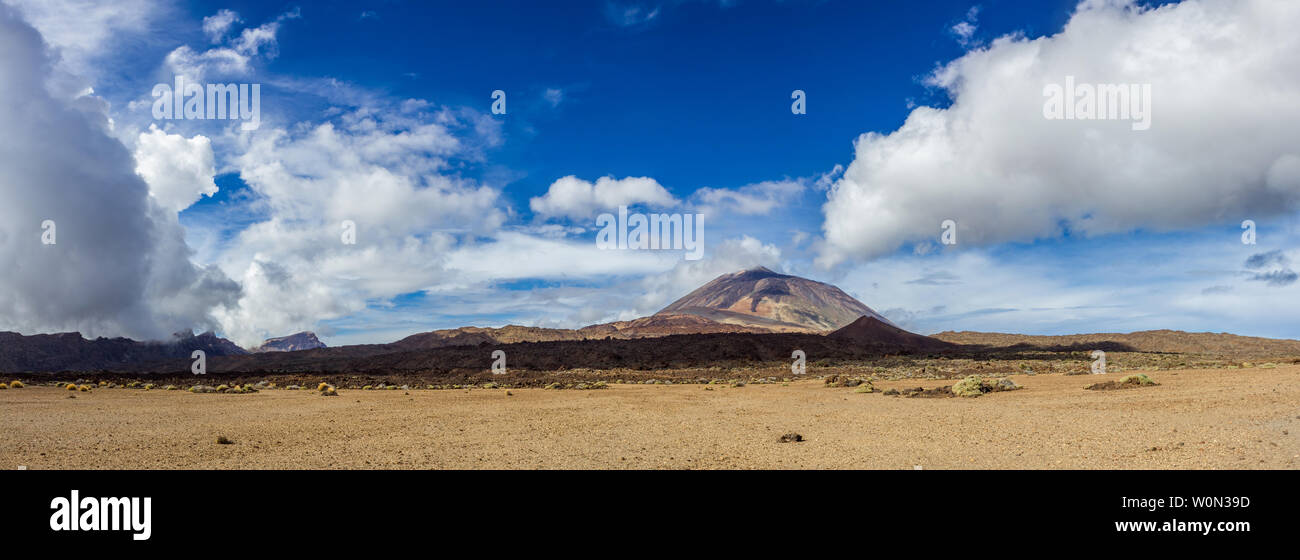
{"x":1195,"y":419}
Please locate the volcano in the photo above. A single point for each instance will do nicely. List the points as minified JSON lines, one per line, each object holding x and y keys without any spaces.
{"x":761,"y":298}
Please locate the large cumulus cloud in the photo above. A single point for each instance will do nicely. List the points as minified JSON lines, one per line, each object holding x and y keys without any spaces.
{"x":1223,"y":146}
{"x":120,"y":265}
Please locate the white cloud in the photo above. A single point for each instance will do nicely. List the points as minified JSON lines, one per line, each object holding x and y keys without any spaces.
{"x":197,"y":66}
{"x":1225,"y":128}
{"x":512,"y":256}
{"x":217,"y":25}
{"x":756,"y":199}
{"x":179,"y":170}
{"x":79,"y":30}
{"x":575,"y":198}
{"x":120,"y":265}
{"x":630,"y":15}
{"x":1196,"y":283}
{"x":553,"y":96}
{"x":384,"y":171}
{"x":233,"y":55}
{"x":964,"y":30}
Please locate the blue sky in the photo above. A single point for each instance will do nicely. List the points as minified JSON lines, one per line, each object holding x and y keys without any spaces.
{"x":379,"y":113}
{"x":698,"y":96}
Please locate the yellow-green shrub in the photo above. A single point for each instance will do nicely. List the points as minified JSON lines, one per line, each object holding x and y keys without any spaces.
{"x":1139,"y":379}
{"x":16,"y":384}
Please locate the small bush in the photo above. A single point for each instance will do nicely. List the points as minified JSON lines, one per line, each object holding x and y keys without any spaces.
{"x":322,"y":386}
{"x":972,"y":386}
{"x":329,"y":391}
{"x":555,"y":386}
{"x":367,"y":388}
{"x":1139,"y":379}
{"x":70,"y":386}
{"x":865,"y":388}
{"x":16,"y":384}
{"x":3,"y":386}
{"x":223,"y":440}
{"x":223,"y":388}
{"x":84,"y":388}
{"x":975,"y":386}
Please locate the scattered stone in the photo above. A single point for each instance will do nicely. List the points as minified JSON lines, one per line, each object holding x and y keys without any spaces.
{"x":790,"y":438}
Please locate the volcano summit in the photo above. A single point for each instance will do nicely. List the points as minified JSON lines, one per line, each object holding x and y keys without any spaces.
{"x":758,"y":297}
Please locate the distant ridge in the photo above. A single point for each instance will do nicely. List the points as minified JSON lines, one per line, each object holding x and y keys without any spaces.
{"x":299,"y":341}
{"x":1141,"y":341}
{"x":72,"y":352}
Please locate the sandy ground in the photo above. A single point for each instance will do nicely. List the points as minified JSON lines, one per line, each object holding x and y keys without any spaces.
{"x":1196,"y":419}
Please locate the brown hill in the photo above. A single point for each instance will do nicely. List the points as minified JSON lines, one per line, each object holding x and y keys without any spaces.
{"x":469,"y":336}
{"x":1219,"y":344}
{"x":644,"y":327}
{"x":869,"y":330}
{"x":776,"y":302}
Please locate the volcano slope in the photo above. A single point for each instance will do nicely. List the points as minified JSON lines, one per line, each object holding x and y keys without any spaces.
{"x":765,"y":299}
